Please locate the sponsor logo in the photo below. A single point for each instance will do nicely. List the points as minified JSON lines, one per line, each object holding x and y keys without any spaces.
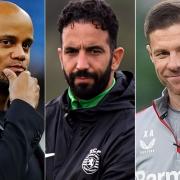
{"x":172,"y":175}
{"x":91,"y":162}
{"x":148,"y":142}
{"x":147,"y":146}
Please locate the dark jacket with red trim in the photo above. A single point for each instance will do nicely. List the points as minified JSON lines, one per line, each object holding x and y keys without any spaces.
{"x":21,"y":128}
{"x":95,"y":143}
{"x":157,"y":149}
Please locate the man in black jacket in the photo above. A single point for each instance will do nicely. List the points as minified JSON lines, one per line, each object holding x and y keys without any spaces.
{"x":90,"y":128}
{"x":21,"y":126}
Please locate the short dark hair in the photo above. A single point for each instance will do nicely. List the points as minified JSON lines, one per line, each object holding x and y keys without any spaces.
{"x":98,"y":12}
{"x":162,"y":15}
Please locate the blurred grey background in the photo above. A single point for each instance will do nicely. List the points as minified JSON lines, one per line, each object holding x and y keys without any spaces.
{"x":125,"y":11}
{"x":148,"y":86}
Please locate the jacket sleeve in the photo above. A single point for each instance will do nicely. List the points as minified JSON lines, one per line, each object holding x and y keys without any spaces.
{"x":119,"y":162}
{"x":21,"y":135}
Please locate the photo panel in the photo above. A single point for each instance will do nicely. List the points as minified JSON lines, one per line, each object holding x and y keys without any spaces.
{"x":90,"y":117}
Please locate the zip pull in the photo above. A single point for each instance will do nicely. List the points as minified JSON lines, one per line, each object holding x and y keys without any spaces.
{"x":178,"y":147}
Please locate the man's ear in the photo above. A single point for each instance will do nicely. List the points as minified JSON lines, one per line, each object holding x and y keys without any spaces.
{"x":148,"y":48}
{"x":117,"y":58}
{"x":60,"y":57}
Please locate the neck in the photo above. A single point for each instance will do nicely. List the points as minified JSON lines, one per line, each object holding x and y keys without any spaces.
{"x":111,"y":79}
{"x":174,"y":101}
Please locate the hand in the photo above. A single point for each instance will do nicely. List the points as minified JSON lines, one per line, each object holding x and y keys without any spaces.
{"x":23,"y":87}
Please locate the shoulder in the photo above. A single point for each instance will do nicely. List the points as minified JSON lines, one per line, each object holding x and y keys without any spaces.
{"x":53,"y":109}
{"x":53,"y":105}
{"x":144,"y":113}
{"x":54,"y":102}
{"x":146,"y":120}
{"x":124,"y":126}
{"x":126,"y":118}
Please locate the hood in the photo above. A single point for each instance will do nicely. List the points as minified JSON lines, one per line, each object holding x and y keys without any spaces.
{"x":122,"y":95}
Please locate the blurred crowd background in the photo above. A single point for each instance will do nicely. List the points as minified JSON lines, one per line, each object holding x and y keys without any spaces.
{"x":125,"y":11}
{"x":148,"y":86}
{"x":36,"y":11}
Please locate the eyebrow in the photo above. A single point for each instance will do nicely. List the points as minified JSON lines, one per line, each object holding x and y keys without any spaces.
{"x":31,"y":40}
{"x":159,"y":51}
{"x":178,"y":48}
{"x":86,"y":47}
{"x":7,"y":36}
{"x":95,"y":47}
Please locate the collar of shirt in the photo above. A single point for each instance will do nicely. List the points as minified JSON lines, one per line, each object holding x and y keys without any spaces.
{"x":81,"y":103}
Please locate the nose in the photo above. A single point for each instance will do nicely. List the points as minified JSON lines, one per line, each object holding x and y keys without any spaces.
{"x":18,"y":53}
{"x":82,"y":61}
{"x":174,"y":61}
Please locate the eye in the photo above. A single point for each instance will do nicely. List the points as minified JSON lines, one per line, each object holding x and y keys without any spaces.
{"x":71,"y":51}
{"x":27,"y":45}
{"x":95,"y":51}
{"x":6,"y":42}
{"x":162,"y":54}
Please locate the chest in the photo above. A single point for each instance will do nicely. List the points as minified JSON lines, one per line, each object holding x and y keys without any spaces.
{"x":157,"y":157}
{"x":80,"y":147}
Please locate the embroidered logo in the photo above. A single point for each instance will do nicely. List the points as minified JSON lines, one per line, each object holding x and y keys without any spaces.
{"x":91,"y":162}
{"x":147,"y":146}
{"x":148,"y":142}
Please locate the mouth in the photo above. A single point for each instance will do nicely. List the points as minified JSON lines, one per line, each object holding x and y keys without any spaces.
{"x":174,"y":78}
{"x":82,"y":79}
{"x":17,"y":68}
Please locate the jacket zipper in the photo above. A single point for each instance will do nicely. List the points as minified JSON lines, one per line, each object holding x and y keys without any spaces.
{"x":168,"y":127}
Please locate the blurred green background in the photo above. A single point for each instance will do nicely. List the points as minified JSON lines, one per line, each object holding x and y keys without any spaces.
{"x":125,"y":11}
{"x":148,"y":86}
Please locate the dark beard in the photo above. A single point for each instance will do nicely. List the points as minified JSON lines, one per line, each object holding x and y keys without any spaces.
{"x":4,"y":85}
{"x":86,"y":91}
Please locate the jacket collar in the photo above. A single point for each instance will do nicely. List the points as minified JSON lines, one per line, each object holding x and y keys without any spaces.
{"x":161,"y":104}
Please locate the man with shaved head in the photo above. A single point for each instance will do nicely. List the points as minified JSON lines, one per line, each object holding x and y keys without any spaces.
{"x":21,"y":126}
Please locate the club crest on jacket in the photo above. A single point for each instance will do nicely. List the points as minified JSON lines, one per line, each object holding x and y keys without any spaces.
{"x":91,"y":162}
